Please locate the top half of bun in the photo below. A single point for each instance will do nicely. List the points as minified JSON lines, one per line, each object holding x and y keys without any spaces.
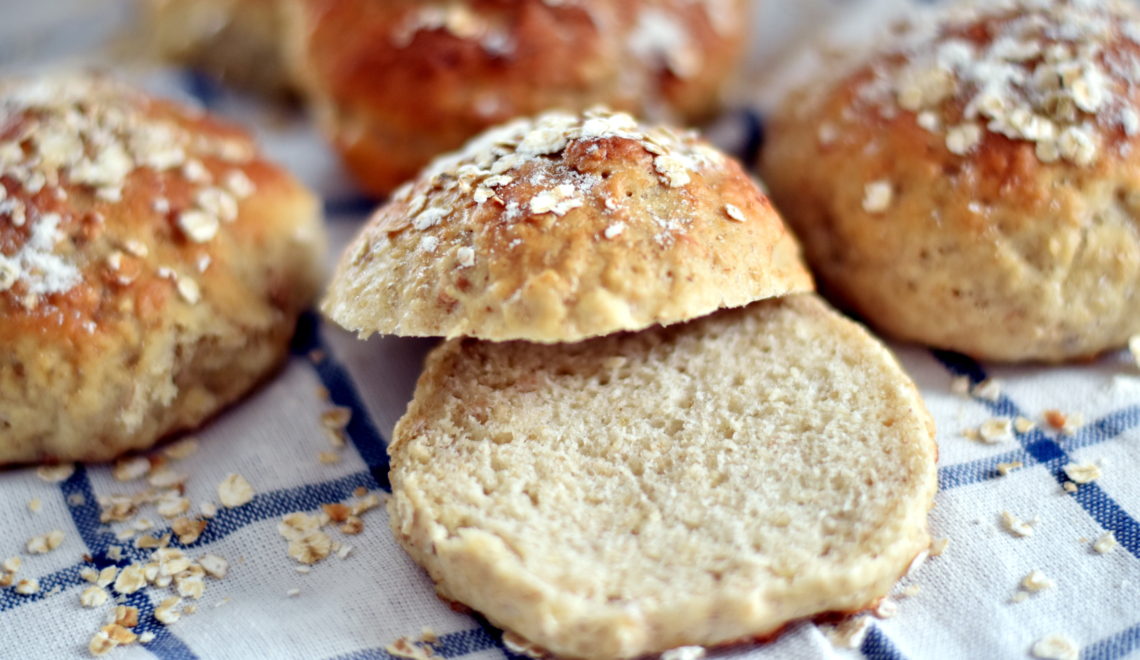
{"x":564,"y":227}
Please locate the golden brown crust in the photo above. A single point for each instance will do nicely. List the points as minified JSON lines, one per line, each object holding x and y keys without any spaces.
{"x":561,"y":228}
{"x":397,"y":83}
{"x":152,"y":265}
{"x":952,"y":209}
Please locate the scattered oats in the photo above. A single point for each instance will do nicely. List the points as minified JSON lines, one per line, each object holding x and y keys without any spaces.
{"x":147,"y":637}
{"x":989,"y":389}
{"x":190,"y":587}
{"x":293,"y":593}
{"x":172,"y":506}
{"x":310,"y":548}
{"x":298,"y":525}
{"x":1016,"y":526}
{"x":34,"y":505}
{"x":366,"y":503}
{"x":93,"y":596}
{"x":337,"y":512}
{"x":129,"y":469}
{"x":998,"y":429}
{"x":1082,"y":473}
{"x":167,"y":611}
{"x":45,"y":543}
{"x":1056,"y":647}
{"x":89,"y":574}
{"x":55,"y":473}
{"x":303,"y":570}
{"x":27,"y":586}
{"x":336,"y":418}
{"x":107,"y":576}
{"x":352,"y":526}
{"x":101,"y":644}
{"x":234,"y":491}
{"x":164,"y":477}
{"x":359,"y":491}
{"x":126,"y":616}
{"x":329,"y":457}
{"x":1019,"y":597}
{"x":6,"y":579}
{"x":114,"y":552}
{"x":960,"y":385}
{"x":171,"y":561}
{"x":684,"y":653}
{"x":184,"y":448}
{"x":1105,"y":544}
{"x":208,"y":509}
{"x":734,"y":213}
{"x":188,"y":529}
{"x":76,"y":499}
{"x":1005,"y":468}
{"x":614,"y":230}
{"x":877,"y":196}
{"x":1036,"y":581}
{"x":850,"y":633}
{"x":428,"y":635}
{"x":344,"y":551}
{"x":213,"y":565}
{"x":131,"y":579}
{"x":1023,"y":424}
{"x":911,"y":591}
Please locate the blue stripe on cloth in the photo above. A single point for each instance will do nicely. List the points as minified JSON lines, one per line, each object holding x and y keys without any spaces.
{"x":451,"y":645}
{"x":962,"y":474}
{"x":1043,"y":449}
{"x":353,"y":207}
{"x":84,"y":509}
{"x":361,"y":429}
{"x":877,"y":646}
{"x":1113,"y":647}
{"x":64,"y":578}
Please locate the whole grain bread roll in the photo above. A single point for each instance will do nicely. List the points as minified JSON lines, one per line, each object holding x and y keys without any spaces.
{"x":702,"y":483}
{"x":973,"y":183}
{"x":564,"y":227}
{"x":152,"y":267}
{"x":398,"y":82}
{"x":239,"y":41}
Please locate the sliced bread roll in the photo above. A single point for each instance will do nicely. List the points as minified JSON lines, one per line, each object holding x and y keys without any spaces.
{"x":696,"y":484}
{"x":564,"y":227}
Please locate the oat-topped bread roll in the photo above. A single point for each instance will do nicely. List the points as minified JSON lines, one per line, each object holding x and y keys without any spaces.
{"x":397,"y":82}
{"x":703,"y":483}
{"x":975,"y":183}
{"x":564,"y":227}
{"x":152,"y":266}
{"x":237,"y":40}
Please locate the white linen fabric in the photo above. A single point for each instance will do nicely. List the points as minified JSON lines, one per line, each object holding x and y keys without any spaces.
{"x":962,"y":605}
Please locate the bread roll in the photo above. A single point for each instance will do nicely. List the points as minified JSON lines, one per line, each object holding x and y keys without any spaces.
{"x":152,"y":266}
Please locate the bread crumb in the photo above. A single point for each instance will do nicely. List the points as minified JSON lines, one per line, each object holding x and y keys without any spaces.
{"x":328,"y":457}
{"x":988,"y":389}
{"x":998,"y":429}
{"x":1016,"y":526}
{"x":1023,"y":424}
{"x":850,"y":633}
{"x":1018,"y":597}
{"x":293,"y":593}
{"x":34,"y":505}
{"x":910,"y":591}
{"x":184,"y":448}
{"x":877,"y":196}
{"x":1082,"y":473}
{"x":1005,"y":468}
{"x":1055,"y":647}
{"x":1069,"y":487}
{"x":515,"y":643}
{"x":310,"y":548}
{"x":1036,"y":581}
{"x":93,"y":596}
{"x":55,"y":473}
{"x":27,"y":586}
{"x":44,"y":543}
{"x":960,"y":385}
{"x":886,"y":608}
{"x":938,"y":546}
{"x":129,"y":469}
{"x":234,"y":491}
{"x":1105,"y":543}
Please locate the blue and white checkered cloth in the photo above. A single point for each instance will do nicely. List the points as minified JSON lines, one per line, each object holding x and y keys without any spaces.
{"x":355,"y":607}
